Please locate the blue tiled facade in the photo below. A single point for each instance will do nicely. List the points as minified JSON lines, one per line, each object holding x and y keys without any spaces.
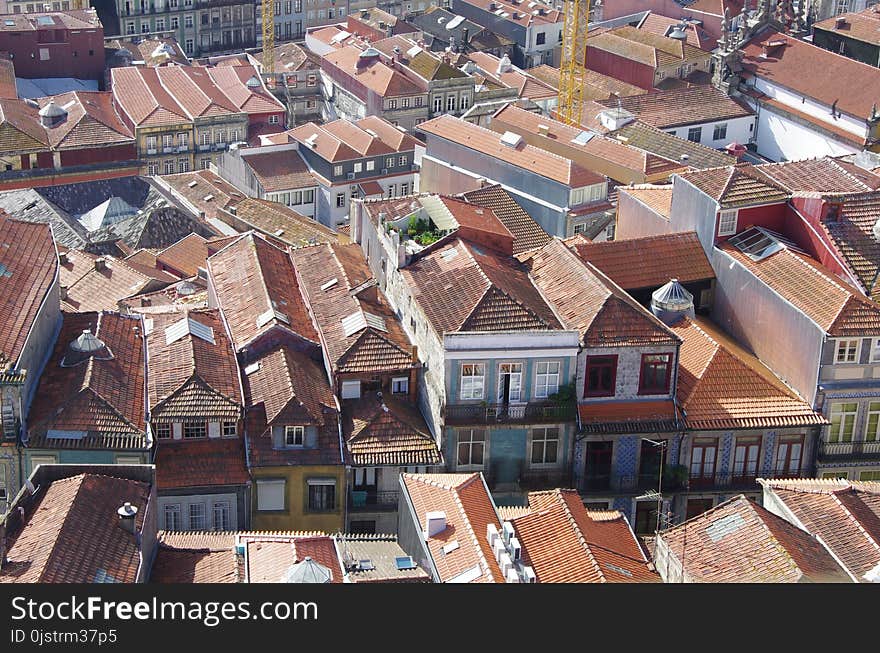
{"x":769,"y":449}
{"x":627,"y":456}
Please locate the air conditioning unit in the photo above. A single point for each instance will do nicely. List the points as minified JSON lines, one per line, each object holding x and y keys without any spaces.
{"x":499,"y":549}
{"x":492,"y":534}
{"x":505,"y":563}
{"x":529,"y":575}
{"x":507,"y":531}
{"x":515,"y":549}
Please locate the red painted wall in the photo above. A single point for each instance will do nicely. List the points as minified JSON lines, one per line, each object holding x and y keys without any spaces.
{"x":816,"y":241}
{"x":620,"y":68}
{"x":98,"y":155}
{"x":68,"y":53}
{"x":771,"y":216}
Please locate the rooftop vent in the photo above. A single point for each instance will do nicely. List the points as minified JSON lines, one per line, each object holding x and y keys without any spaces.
{"x":511,"y":139}
{"x":307,"y":571}
{"x":678,"y":33}
{"x":840,"y":22}
{"x":504,"y":65}
{"x":186,"y":288}
{"x":52,"y":115}
{"x":614,"y":119}
{"x":127,"y":514}
{"x":671,"y":302}
{"x":758,"y":243}
{"x":188,"y":326}
{"x":86,"y":346}
{"x":253,"y":82}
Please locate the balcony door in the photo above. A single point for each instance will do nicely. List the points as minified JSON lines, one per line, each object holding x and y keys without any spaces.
{"x":745,"y":460}
{"x":509,"y":383}
{"x":703,"y":454}
{"x":597,"y":467}
{"x":788,"y":456}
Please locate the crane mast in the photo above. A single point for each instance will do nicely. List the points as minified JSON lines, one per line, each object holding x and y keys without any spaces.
{"x":268,"y":39}
{"x":571,"y":66}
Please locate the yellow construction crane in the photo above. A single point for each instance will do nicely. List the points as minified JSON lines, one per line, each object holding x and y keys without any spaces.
{"x":571,"y":65}
{"x":268,"y":40}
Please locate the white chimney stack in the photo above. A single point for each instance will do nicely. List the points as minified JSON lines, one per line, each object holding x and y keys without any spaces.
{"x":127,"y":514}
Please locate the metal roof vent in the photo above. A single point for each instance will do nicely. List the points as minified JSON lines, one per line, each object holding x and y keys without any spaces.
{"x":86,"y":346}
{"x":504,"y":65}
{"x":678,"y":33}
{"x":307,"y":571}
{"x":52,"y":115}
{"x":253,"y":82}
{"x":671,"y":302}
{"x":127,"y":514}
{"x":186,"y":288}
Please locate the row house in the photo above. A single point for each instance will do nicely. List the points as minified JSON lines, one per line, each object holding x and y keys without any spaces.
{"x":562,"y":196}
{"x":506,"y":410}
{"x":199,"y":26}
{"x":31,"y":321}
{"x":642,"y":58}
{"x":196,"y":417}
{"x":184,"y":117}
{"x":374,"y":369}
{"x":63,"y":139}
{"x":500,"y":82}
{"x":293,"y":435}
{"x":536,"y":29}
{"x":55,"y":44}
{"x":91,"y":404}
{"x":853,"y":35}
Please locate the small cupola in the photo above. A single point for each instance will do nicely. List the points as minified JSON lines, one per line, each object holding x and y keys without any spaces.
{"x":671,"y":302}
{"x":253,"y":82}
{"x":87,"y":345}
{"x":307,"y":571}
{"x":52,"y":115}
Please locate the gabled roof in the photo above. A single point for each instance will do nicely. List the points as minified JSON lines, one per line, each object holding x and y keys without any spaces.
{"x":647,"y":262}
{"x":141,"y":96}
{"x":833,"y":78}
{"x":359,"y":330}
{"x":282,"y":223}
{"x":463,"y":287}
{"x":655,"y":197}
{"x":387,"y":431}
{"x":341,"y":140}
{"x":722,"y":386}
{"x":193,"y":368}
{"x":527,"y":234}
{"x":102,"y":289}
{"x":250,"y":98}
{"x":20,"y":128}
{"x":181,"y":559}
{"x":372,"y":72}
{"x":205,"y":190}
{"x":257,"y":290}
{"x":645,"y":47}
{"x":826,"y":175}
{"x":72,"y":534}
{"x":429,"y":66}
{"x":683,"y":106}
{"x":280,"y":170}
{"x":739,"y":185}
{"x":28,"y":265}
{"x":99,"y":402}
{"x":861,"y":26}
{"x":528,"y":157}
{"x":187,"y":255}
{"x":200,"y":463}
{"x":663,"y":25}
{"x":526,"y":85}
{"x":814,"y":290}
{"x":590,"y":303}
{"x":738,"y":541}
{"x":91,"y":121}
{"x":843,"y":515}
{"x":468,"y":508}
{"x":596,"y":85}
{"x":656,"y":141}
{"x":564,"y":543}
{"x":268,"y":558}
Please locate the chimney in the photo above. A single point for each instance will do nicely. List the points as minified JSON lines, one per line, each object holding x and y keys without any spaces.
{"x":62,"y":292}
{"x":415,"y":354}
{"x":127,"y":514}
{"x":100,"y":263}
{"x":840,"y":22}
{"x":62,"y":258}
{"x":543,"y":130}
{"x":436,"y":521}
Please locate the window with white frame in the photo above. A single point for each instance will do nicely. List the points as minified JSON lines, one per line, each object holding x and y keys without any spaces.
{"x":270,"y":494}
{"x":472,"y":378}
{"x":322,"y":494}
{"x":546,"y":378}
{"x":847,"y":351}
{"x":294,"y":436}
{"x":719,"y":132}
{"x":872,"y":433}
{"x":162,"y":430}
{"x":273,"y":119}
{"x":727,"y":222}
{"x":389,"y":162}
{"x":221,"y":516}
{"x":843,"y":420}
{"x":471,"y":447}
{"x":351,"y":389}
{"x":371,"y":165}
{"x":172,"y":517}
{"x":230,"y":429}
{"x":340,"y":200}
{"x":400,"y":385}
{"x":358,"y":167}
{"x":401,"y":160}
{"x":194,"y":430}
{"x":337,"y":170}
{"x":197,"y":516}
{"x":545,"y":446}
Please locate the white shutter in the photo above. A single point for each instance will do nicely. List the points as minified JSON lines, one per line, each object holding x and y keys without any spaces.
{"x":371,"y":475}
{"x":270,"y":494}
{"x":213,"y":429}
{"x":351,"y":389}
{"x":177,"y":430}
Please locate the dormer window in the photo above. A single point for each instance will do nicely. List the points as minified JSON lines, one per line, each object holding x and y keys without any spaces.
{"x":163,"y":431}
{"x":294,"y":436}
{"x":847,"y":351}
{"x":192,"y":430}
{"x":654,"y":377}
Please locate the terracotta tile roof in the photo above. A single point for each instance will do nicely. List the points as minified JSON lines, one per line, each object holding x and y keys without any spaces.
{"x":590,"y":303}
{"x":373,"y":73}
{"x":394,"y":137}
{"x":563,"y":544}
{"x":662,"y":25}
{"x":628,"y":416}
{"x":647,"y":262}
{"x":656,"y":198}
{"x":185,"y":294}
{"x":103,"y":289}
{"x":371,"y":345}
{"x":152,"y":51}
{"x":462,"y":287}
{"x":91,"y":121}
{"x":341,"y":140}
{"x":190,"y":377}
{"x":200,"y":463}
{"x":645,"y":47}
{"x":533,"y":159}
{"x":862,"y":26}
{"x":52,"y":546}
{"x":739,"y":185}
{"x":812,"y":288}
{"x":527,"y":86}
{"x":20,"y":128}
{"x":826,"y":175}
{"x":596,"y":85}
{"x":291,"y":57}
{"x":684,"y":106}
{"x":187,"y":255}
{"x":834,"y":79}
{"x":257,"y":291}
{"x":8,"y":90}
{"x":269,"y":558}
{"x":86,"y":19}
{"x":469,"y":510}
{"x":282,"y":223}
{"x":656,"y":141}
{"x":738,"y":541}
{"x":139,"y":94}
{"x":280,"y":171}
{"x":844,"y":515}
{"x":381,"y":551}
{"x":387,"y":431}
{"x":28,"y":271}
{"x":722,"y":386}
{"x":194,"y":187}
{"x":101,"y":398}
{"x":287,"y":387}
{"x":195,"y":558}
{"x":527,"y":234}
{"x":252,"y":99}
{"x":853,"y":235}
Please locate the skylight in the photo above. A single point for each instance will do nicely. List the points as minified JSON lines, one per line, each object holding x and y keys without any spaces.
{"x":188,"y":326}
{"x":253,"y":367}
{"x":583,"y":138}
{"x":271,"y":314}
{"x":404,"y":562}
{"x":758,"y":243}
{"x":330,"y":284}
{"x":720,"y":528}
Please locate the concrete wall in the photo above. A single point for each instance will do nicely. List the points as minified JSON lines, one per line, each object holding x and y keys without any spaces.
{"x":692,"y":210}
{"x":410,"y":535}
{"x":636,"y":220}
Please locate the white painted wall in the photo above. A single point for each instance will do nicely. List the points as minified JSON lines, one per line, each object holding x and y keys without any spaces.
{"x":738,"y":129}
{"x":782,"y":139}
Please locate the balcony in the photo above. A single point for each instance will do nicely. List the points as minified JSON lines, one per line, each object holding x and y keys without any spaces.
{"x":183,"y":148}
{"x":530,"y":413}
{"x":152,"y":150}
{"x":168,"y":149}
{"x":372,"y":501}
{"x":204,"y":147}
{"x":841,"y":451}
